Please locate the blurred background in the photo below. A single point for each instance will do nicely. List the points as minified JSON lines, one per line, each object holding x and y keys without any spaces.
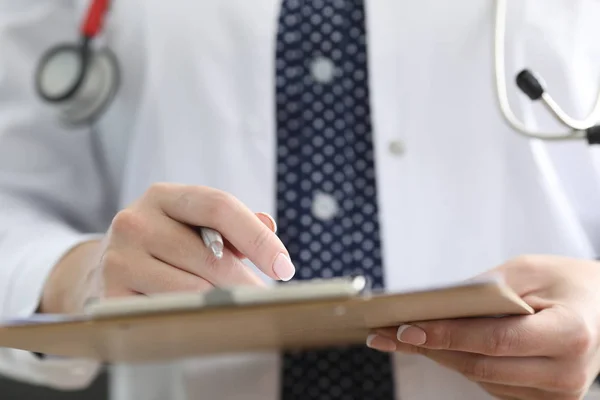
{"x":11,"y":390}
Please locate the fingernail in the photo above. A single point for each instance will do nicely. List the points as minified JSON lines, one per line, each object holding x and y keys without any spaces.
{"x":283,"y":267}
{"x":411,"y":335}
{"x":272,"y":222}
{"x":380,"y":343}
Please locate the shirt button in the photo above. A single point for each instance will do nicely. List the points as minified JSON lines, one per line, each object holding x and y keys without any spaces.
{"x":324,"y":206}
{"x":322,"y":70}
{"x":396,"y":147}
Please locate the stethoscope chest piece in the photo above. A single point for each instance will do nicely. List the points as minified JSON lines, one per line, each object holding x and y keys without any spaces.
{"x":79,"y":81}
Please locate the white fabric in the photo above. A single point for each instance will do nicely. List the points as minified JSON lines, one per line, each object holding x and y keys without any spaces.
{"x":196,"y":106}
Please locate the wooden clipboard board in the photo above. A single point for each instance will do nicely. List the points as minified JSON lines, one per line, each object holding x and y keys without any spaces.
{"x":149,"y":337}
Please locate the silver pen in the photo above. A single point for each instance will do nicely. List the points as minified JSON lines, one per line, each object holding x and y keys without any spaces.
{"x":213,"y":240}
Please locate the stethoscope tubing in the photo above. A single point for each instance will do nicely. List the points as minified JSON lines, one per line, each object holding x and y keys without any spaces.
{"x":576,"y":129}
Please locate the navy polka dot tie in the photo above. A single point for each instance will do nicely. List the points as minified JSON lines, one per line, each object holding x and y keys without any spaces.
{"x":326,"y":193}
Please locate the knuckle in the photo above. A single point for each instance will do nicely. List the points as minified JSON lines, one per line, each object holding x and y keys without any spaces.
{"x":261,"y":239}
{"x":185,"y":201}
{"x":571,"y":381}
{"x":580,"y":341}
{"x":441,"y":337}
{"x":502,"y":341}
{"x":221,"y":207}
{"x":526,"y":261}
{"x":158,"y":188}
{"x":127,"y":222}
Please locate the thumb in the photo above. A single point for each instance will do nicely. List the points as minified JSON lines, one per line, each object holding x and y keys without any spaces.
{"x":524,"y":274}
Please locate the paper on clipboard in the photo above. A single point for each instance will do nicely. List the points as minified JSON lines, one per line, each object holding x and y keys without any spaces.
{"x":317,"y":289}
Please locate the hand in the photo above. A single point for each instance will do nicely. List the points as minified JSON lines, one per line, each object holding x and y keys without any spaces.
{"x":553,"y":354}
{"x":151,"y":247}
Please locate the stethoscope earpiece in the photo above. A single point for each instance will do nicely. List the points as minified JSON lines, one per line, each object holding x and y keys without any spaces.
{"x":530,"y":84}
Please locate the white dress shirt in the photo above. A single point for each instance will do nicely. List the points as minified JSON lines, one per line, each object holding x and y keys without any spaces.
{"x":460,"y":192}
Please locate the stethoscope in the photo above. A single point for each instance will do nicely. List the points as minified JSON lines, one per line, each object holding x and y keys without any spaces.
{"x":82,"y":82}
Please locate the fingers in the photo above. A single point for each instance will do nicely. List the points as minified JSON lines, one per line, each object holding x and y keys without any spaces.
{"x":544,"y":373}
{"x":146,"y":275}
{"x":522,"y":372}
{"x":201,"y":206}
{"x":144,"y":232}
{"x":550,"y":332}
{"x":180,"y":246}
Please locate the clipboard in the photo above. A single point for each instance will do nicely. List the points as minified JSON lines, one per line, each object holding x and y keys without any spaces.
{"x":307,"y":315}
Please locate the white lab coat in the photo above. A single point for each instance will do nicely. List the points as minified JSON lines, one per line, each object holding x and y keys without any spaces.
{"x":196,"y":106}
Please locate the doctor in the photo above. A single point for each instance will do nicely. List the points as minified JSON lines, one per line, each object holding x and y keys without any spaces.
{"x":369,"y":131}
